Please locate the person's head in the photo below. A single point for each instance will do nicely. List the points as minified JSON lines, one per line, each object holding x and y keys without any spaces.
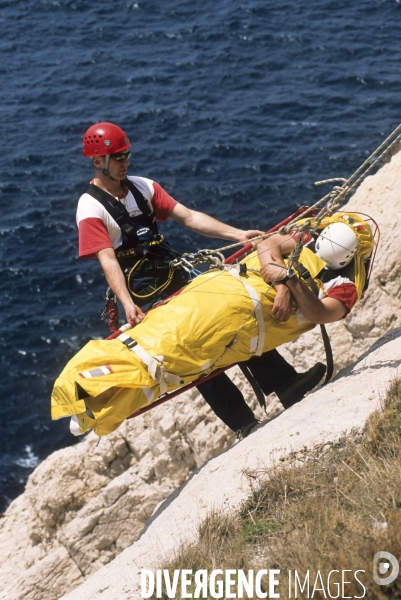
{"x":336,"y":245}
{"x":107,"y":145}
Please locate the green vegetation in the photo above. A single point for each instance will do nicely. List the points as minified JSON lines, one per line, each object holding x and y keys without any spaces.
{"x":332,"y":508}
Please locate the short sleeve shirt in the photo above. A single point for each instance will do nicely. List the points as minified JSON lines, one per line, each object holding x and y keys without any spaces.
{"x":98,"y":230}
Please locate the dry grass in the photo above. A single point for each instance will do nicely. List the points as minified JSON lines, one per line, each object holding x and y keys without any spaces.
{"x":333,"y":509}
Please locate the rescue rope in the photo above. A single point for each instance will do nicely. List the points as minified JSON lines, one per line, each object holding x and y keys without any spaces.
{"x":154,"y":291}
{"x":338,"y":194}
{"x":334,"y":199}
{"x":111,"y":309}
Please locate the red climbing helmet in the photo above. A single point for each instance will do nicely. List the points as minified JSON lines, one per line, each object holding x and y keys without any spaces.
{"x":104,"y":138}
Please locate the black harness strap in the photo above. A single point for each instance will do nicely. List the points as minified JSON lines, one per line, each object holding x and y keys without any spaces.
{"x":141,"y":201}
{"x":118,"y":211}
{"x":329,"y":354}
{"x":140,"y":238}
{"x":254,"y":384}
{"x":115,"y":208}
{"x":306,"y":276}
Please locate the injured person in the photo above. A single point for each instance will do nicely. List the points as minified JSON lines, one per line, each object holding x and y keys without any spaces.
{"x":222,"y":318}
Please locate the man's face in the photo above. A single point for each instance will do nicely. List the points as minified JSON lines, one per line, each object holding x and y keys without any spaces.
{"x":118,"y":164}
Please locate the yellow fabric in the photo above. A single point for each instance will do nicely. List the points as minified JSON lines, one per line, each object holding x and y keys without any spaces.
{"x":191,"y":332}
{"x":211,"y":324}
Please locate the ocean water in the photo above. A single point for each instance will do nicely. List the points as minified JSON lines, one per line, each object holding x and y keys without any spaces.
{"x":235,"y":107}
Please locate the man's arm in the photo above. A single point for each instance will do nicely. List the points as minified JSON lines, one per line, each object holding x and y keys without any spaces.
{"x":315,"y":310}
{"x":277,"y":244}
{"x":210,"y":227}
{"x":116,"y":280}
{"x":282,"y":246}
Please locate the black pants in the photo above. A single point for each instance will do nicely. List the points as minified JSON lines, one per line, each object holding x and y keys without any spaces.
{"x":226,"y":400}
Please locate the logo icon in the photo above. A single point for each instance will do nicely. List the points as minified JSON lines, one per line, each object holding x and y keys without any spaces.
{"x":382,"y":562}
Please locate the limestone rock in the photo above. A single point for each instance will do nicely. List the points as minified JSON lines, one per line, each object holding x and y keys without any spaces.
{"x":85,"y":504}
{"x":322,"y":418}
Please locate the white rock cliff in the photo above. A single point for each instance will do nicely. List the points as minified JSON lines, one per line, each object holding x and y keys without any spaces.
{"x":85,"y":504}
{"x":323,"y":417}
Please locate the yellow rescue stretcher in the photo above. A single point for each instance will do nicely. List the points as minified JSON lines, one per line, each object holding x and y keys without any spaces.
{"x":219,"y":319}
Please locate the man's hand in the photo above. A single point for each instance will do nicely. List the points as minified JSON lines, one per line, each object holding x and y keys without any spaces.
{"x":273,"y":271}
{"x":245,"y":236}
{"x":116,"y":281}
{"x":282,"y":304}
{"x":133,"y":313}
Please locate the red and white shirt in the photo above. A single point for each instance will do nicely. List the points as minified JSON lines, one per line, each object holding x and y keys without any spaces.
{"x":342,"y":289}
{"x":98,"y":230}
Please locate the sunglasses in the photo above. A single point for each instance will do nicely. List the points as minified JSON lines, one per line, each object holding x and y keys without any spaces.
{"x":120,"y":156}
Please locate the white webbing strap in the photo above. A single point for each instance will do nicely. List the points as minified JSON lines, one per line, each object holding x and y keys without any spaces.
{"x":155,"y":364}
{"x":257,"y":305}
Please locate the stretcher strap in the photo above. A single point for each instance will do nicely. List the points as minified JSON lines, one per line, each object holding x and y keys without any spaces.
{"x":155,"y":364}
{"x":257,"y":306}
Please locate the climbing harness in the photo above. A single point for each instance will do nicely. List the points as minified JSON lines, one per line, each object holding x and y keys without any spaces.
{"x":138,"y":233}
{"x":143,"y":250}
{"x":150,"y":290}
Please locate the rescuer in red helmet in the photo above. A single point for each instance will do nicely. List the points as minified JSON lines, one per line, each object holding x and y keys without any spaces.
{"x":121,"y":245}
{"x":117,"y":223}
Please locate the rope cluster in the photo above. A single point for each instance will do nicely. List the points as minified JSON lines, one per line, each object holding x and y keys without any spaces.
{"x":334,"y":199}
{"x":111,"y":310}
{"x":188,"y":261}
{"x":338,"y":194}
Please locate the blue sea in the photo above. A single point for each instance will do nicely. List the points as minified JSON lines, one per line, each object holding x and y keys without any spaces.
{"x":236,"y":107}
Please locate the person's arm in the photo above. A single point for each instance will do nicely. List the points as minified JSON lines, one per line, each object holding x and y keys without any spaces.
{"x":277,"y":244}
{"x":282,"y":245}
{"x":210,"y":227}
{"x":316,"y":310}
{"x":116,"y":280}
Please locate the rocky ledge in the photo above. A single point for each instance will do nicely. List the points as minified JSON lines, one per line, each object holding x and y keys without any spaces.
{"x":85,"y":506}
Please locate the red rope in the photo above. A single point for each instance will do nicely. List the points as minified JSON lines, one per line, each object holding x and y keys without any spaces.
{"x":112,"y":311}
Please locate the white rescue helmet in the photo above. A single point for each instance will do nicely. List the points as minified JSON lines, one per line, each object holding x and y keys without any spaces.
{"x":336,"y":245}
